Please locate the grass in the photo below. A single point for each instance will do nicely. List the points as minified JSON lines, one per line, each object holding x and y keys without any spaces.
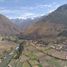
{"x":40,"y":65}
{"x":26,"y":64}
{"x":31,"y":55}
{"x":53,"y":63}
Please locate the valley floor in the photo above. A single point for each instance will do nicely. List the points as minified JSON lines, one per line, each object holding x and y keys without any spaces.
{"x":34,"y":55}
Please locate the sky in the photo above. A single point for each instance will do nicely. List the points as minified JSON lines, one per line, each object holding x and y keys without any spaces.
{"x":28,"y":8}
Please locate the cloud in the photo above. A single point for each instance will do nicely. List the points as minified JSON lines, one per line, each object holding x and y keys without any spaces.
{"x":44,"y":5}
{"x":40,"y":6}
{"x":28,"y":11}
{"x":28,"y":15}
{"x":17,"y":13}
{"x":54,"y":4}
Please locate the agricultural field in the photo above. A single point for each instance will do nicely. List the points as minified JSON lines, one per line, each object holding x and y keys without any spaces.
{"x":33,"y":55}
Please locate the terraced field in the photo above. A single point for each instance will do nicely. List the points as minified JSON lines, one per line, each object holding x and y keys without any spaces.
{"x":35,"y":56}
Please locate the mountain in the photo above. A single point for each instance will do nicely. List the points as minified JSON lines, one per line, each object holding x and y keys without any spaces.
{"x":58,"y":16}
{"x":50,"y":25}
{"x":7,"y":27}
{"x":24,"y":23}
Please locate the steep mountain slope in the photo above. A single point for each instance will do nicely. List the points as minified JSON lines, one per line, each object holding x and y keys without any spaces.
{"x":23,"y":23}
{"x":50,"y":25}
{"x":7,"y":27}
{"x":58,"y":16}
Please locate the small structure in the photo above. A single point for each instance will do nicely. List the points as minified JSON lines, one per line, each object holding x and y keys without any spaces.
{"x":64,"y":48}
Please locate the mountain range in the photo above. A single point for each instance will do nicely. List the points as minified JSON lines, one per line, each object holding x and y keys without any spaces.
{"x":52,"y":25}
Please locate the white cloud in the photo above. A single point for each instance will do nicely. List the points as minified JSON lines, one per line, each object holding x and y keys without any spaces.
{"x":51,"y":11}
{"x":39,"y":6}
{"x":51,"y":5}
{"x":44,"y":5}
{"x":17,"y":13}
{"x":28,"y":15}
{"x":28,"y":12}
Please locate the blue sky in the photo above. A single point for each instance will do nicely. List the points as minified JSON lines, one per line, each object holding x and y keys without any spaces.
{"x":28,"y":8}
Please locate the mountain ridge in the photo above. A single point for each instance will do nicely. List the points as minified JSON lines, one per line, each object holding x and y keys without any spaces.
{"x":50,"y":25}
{"x":7,"y":27}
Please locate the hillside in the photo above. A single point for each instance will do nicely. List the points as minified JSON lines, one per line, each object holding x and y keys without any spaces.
{"x":50,"y":25}
{"x":24,"y":23}
{"x":7,"y":27}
